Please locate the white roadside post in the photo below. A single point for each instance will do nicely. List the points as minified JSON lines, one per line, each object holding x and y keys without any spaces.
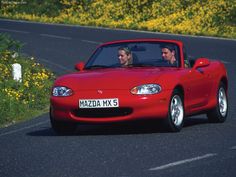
{"x":17,"y":72}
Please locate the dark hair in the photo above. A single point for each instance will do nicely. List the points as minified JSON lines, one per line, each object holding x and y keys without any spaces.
{"x":168,"y":46}
{"x":126,"y":49}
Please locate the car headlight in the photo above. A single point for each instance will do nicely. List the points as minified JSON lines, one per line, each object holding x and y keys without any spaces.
{"x":61,"y":91}
{"x":146,"y":89}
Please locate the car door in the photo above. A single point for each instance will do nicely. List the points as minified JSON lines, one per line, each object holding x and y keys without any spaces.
{"x":198,"y":84}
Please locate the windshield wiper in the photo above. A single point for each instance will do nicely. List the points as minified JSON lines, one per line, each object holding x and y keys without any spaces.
{"x":97,"y":66}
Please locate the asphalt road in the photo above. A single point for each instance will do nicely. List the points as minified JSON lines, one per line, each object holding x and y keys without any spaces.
{"x":141,"y":149}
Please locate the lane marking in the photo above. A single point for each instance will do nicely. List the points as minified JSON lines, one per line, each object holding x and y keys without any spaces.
{"x":119,"y":29}
{"x":91,"y":42}
{"x":51,"y":63}
{"x":55,"y":64}
{"x":225,"y":62}
{"x":15,"y":31}
{"x":55,"y":36}
{"x":233,"y":148}
{"x":182,"y":162}
{"x":23,"y":128}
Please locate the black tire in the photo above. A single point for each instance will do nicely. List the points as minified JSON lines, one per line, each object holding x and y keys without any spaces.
{"x":220,"y":112}
{"x":174,"y":121}
{"x":62,"y":127}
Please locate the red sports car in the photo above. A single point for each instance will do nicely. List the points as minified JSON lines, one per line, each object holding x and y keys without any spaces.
{"x":139,"y":79}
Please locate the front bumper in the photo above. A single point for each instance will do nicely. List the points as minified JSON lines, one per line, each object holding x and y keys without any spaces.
{"x":131,"y":107}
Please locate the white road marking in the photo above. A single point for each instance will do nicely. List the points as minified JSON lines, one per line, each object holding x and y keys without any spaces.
{"x":182,"y":162}
{"x":225,"y":62}
{"x":91,"y":42}
{"x":15,"y":31}
{"x":118,"y":29}
{"x":55,"y":64}
{"x":23,"y":128}
{"x":233,"y":148}
{"x":55,"y":36}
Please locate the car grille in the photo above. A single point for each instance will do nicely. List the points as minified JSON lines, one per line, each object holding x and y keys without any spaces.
{"x":102,"y":113}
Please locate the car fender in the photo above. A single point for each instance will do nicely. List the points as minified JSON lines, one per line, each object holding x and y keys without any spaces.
{"x":170,"y":81}
{"x":219,"y":74}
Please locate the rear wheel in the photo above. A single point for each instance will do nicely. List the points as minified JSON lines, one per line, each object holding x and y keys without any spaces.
{"x":219,"y":113}
{"x":174,"y":121}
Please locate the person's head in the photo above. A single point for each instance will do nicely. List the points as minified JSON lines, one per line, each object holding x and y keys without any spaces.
{"x":125,"y":56}
{"x":168,"y":53}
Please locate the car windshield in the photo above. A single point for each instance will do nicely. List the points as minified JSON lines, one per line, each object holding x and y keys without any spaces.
{"x":143,"y":54}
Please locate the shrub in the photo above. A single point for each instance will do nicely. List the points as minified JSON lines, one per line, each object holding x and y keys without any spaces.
{"x":30,"y":97}
{"x":214,"y":18}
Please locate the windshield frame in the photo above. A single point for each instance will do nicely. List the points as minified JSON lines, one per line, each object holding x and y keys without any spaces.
{"x":156,"y":62}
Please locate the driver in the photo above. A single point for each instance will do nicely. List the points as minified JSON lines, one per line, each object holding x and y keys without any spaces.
{"x":168,"y":54}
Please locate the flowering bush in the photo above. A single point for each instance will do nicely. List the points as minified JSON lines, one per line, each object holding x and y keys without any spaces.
{"x":28,"y":97}
{"x":214,"y":18}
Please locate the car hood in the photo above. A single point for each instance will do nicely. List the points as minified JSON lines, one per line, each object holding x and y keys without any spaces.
{"x":118,"y":78}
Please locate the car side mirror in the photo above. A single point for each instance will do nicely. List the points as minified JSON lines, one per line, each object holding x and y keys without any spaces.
{"x":79,"y":66}
{"x":201,"y":62}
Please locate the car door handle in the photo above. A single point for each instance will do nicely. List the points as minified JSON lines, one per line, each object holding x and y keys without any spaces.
{"x":200,"y":70}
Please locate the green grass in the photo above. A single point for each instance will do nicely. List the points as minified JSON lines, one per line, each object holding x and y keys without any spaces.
{"x":28,"y":98}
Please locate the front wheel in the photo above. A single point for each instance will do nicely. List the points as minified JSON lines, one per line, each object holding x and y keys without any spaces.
{"x":175,"y":119}
{"x":219,"y":113}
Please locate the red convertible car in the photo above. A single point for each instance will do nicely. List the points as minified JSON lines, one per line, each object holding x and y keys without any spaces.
{"x":157,"y":82}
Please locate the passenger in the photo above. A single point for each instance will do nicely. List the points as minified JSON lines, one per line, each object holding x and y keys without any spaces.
{"x":125,"y":56}
{"x":168,"y":54}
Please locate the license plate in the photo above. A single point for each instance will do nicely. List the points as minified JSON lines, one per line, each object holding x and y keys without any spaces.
{"x":99,"y":103}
